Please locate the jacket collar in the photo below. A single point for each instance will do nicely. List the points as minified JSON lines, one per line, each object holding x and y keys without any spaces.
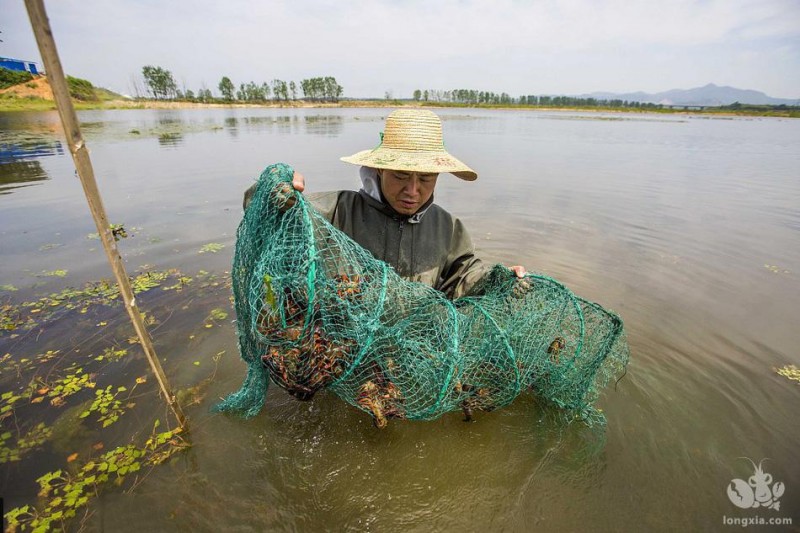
{"x":371,"y":187}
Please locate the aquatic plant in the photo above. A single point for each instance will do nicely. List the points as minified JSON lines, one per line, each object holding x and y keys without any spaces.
{"x":118,"y":231}
{"x":212,"y":247}
{"x":33,"y":439}
{"x":182,"y":282}
{"x":67,"y":386}
{"x":73,"y":379}
{"x":789,"y":372}
{"x":107,"y":405}
{"x":112,"y":354}
{"x":27,"y":315}
{"x":63,"y":493}
{"x":54,"y":273}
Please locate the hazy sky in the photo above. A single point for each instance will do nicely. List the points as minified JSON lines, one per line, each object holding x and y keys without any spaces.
{"x":513,"y":46}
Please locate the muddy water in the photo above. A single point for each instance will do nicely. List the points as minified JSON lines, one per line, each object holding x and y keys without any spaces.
{"x":689,"y":227}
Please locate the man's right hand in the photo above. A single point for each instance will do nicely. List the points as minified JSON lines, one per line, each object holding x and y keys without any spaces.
{"x":284,"y":196}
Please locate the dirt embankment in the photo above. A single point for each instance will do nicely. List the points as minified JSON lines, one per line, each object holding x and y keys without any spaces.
{"x":36,"y":88}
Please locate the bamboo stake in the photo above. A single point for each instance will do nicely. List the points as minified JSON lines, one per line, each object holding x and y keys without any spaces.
{"x":80,"y":155}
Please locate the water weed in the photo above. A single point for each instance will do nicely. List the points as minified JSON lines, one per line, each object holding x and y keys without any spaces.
{"x":212,"y":247}
{"x":63,"y":398}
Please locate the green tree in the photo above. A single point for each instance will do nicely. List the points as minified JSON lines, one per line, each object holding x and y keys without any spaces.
{"x":226,"y":88}
{"x":321,"y":89}
{"x":293,"y":90}
{"x":204,"y":95}
{"x":417,"y":95}
{"x":280,"y":90}
{"x":160,"y":81}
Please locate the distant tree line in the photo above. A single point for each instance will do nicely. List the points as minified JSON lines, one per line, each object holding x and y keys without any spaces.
{"x":161,"y":85}
{"x":474,"y":97}
{"x":321,"y":89}
{"x":572,"y":101}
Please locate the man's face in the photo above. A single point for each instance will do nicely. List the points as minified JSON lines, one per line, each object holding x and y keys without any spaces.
{"x":405,"y":191}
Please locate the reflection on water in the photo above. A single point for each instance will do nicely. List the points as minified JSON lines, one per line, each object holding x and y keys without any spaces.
{"x":170,"y":139}
{"x":20,"y":152}
{"x":330,"y":125}
{"x":15,"y":147}
{"x":20,"y":174}
{"x":687,"y":227}
{"x":170,"y":120}
{"x":231,"y":126}
{"x":94,"y":127}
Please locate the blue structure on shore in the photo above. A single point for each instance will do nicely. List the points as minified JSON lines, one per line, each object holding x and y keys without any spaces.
{"x":19,"y":64}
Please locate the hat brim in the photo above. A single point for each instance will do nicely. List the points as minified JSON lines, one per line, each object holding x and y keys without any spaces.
{"x":412,"y":161}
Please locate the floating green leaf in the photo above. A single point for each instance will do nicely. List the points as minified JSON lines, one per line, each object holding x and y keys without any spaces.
{"x":183,"y":281}
{"x":33,"y":439}
{"x":112,"y":354}
{"x":212,"y":247}
{"x":106,"y":405}
{"x":62,"y":388}
{"x":54,"y":273}
{"x":218,"y":314}
{"x":789,"y":372}
{"x":776,"y":269}
{"x":118,"y":231}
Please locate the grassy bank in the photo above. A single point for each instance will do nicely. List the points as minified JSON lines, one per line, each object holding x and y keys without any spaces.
{"x":10,"y":103}
{"x":32,"y":103}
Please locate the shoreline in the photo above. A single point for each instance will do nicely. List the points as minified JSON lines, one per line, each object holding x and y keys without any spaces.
{"x":39,"y":104}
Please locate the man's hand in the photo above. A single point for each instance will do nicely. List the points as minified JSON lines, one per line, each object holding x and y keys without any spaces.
{"x":523,"y":285}
{"x":283,"y":195}
{"x":519,"y":271}
{"x":298,"y":182}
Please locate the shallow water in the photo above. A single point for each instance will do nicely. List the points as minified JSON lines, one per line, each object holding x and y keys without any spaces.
{"x":688,"y":227}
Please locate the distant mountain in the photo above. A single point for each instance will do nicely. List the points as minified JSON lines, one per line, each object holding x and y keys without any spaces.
{"x":710,"y":95}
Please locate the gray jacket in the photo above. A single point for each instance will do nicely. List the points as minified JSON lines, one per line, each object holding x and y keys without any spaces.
{"x":431,"y":247}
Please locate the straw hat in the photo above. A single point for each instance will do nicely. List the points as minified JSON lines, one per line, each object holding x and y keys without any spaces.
{"x":412,"y":142}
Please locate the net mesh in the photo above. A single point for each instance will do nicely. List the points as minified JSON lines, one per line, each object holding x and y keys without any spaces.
{"x":315,"y":310}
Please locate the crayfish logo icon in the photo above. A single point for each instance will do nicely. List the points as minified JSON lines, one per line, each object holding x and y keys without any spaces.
{"x":756,"y":491}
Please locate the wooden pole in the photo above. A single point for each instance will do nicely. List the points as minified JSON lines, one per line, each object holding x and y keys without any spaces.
{"x":80,"y":155}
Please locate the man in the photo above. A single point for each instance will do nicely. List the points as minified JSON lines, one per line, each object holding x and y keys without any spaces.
{"x":393,"y":216}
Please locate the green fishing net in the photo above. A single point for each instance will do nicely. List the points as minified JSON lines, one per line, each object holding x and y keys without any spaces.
{"x":315,"y":310}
